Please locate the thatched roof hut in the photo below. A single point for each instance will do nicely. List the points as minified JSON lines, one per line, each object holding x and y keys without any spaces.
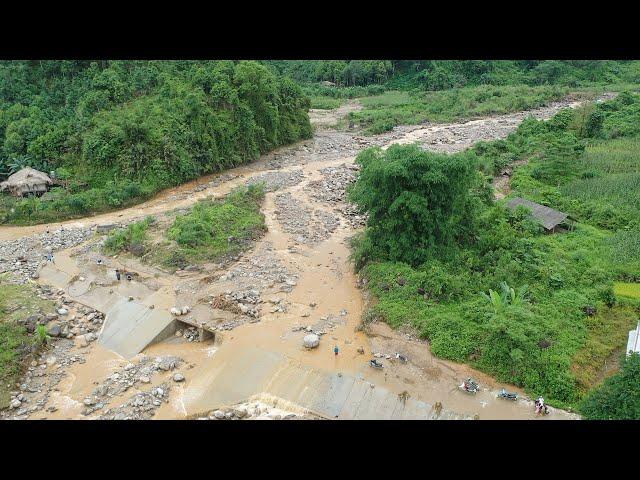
{"x":26,"y":181}
{"x":549,"y":218}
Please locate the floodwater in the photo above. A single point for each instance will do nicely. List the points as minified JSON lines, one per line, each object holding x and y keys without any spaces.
{"x":263,"y":360}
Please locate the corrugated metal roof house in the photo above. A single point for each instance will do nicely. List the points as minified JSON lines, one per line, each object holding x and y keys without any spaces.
{"x":549,"y":218}
{"x":633,"y":345}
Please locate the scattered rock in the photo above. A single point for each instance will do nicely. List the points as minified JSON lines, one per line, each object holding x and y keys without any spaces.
{"x":54,"y":330}
{"x":311,"y":341}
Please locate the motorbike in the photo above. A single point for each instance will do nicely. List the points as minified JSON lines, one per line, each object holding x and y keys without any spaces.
{"x":507,"y":395}
{"x":541,"y":409}
{"x":470,"y":386}
{"x":402,"y":358}
{"x":376,"y":364}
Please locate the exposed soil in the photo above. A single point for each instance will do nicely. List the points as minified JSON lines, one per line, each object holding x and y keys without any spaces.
{"x":296,"y":279}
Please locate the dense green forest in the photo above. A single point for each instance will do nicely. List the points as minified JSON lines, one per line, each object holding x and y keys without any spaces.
{"x":483,"y":283}
{"x":116,"y":132}
{"x":119,"y":131}
{"x":401,"y":92}
{"x":446,"y":74}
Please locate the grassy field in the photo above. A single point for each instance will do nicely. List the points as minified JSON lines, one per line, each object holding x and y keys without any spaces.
{"x":211,"y":230}
{"x":626,"y":289}
{"x":132,"y":238}
{"x":16,"y":302}
{"x":385,"y":111}
{"x":608,"y":178}
{"x":625,"y":249}
{"x":321,"y":102}
{"x":606,"y":339}
{"x":392,"y":98}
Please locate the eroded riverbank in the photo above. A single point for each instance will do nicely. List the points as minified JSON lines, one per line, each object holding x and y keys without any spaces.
{"x":298,"y":278}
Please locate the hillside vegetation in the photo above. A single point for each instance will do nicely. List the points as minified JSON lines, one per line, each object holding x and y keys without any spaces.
{"x":119,"y":131}
{"x":383,"y":112}
{"x":433,"y":75}
{"x":484,"y":284}
{"x":17,"y":302}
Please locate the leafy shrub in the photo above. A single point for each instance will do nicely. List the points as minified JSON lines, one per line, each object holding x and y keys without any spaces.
{"x":416,"y":200}
{"x":618,"y":398}
{"x":41,"y":334}
{"x":132,"y":238}
{"x":215,"y":228}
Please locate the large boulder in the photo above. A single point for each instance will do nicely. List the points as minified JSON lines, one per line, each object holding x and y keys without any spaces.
{"x":240,"y":412}
{"x":54,"y":330}
{"x":137,"y":249}
{"x":311,"y":341}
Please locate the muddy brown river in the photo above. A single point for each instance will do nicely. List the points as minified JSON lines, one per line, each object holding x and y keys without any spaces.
{"x":307,"y":239}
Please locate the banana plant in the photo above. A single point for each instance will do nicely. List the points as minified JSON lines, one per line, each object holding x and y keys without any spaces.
{"x":496,"y":300}
{"x":507,"y":296}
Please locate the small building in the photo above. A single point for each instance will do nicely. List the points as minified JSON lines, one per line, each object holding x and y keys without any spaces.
{"x":27,"y":181}
{"x":633,"y":345}
{"x":327,"y":83}
{"x":551,"y":220}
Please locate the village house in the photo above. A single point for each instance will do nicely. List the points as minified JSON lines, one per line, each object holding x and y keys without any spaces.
{"x":27,"y":181}
{"x":551,"y":220}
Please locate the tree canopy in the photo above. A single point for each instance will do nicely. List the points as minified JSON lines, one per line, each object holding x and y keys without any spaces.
{"x":121,"y":130}
{"x":416,"y":200}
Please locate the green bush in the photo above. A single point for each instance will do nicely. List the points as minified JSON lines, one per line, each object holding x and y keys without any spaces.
{"x":417,"y":201}
{"x":618,"y":398}
{"x":132,"y":238}
{"x":215,"y":228}
{"x":42,"y":335}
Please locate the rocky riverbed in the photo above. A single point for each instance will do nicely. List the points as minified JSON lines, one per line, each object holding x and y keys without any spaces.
{"x":24,"y":256}
{"x":294,"y":281}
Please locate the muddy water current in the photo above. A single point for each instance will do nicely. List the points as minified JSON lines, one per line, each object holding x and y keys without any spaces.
{"x":307,"y":243}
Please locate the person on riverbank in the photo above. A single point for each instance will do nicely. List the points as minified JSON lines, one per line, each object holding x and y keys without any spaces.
{"x":336,"y":350}
{"x":118,"y":274}
{"x":50,"y":258}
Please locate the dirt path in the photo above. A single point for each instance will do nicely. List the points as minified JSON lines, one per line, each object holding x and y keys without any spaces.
{"x":296,"y":279}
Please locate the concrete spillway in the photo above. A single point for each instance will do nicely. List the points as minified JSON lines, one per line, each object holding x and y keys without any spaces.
{"x":330,"y":395}
{"x":130,"y":326}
